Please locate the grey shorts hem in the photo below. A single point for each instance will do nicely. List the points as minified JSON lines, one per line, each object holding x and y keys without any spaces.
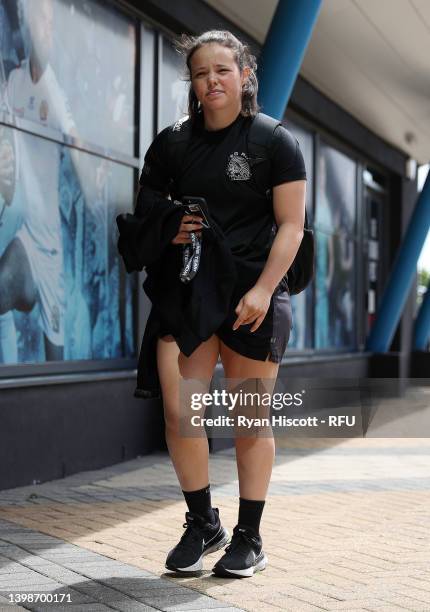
{"x":282,"y":325}
{"x":270,"y":340}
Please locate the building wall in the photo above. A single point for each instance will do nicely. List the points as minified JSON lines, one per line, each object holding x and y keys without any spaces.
{"x":78,"y":412}
{"x":49,"y":431}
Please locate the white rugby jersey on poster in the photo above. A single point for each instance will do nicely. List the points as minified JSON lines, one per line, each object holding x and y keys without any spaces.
{"x":38,"y":159}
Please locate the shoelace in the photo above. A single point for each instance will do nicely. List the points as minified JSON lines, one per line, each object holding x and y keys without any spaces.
{"x":192,"y":531}
{"x":240,"y":537}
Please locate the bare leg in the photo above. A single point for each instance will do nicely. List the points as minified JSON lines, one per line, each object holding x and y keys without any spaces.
{"x":18,"y":290}
{"x":254,"y":454}
{"x":189,"y":454}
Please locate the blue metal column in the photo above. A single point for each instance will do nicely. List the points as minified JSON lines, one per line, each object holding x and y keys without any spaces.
{"x":422,"y":324}
{"x":283,"y":51}
{"x":402,"y":275}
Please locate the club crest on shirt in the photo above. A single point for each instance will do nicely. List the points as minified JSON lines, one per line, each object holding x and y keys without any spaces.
{"x":238,"y":168}
{"x":178,"y":125}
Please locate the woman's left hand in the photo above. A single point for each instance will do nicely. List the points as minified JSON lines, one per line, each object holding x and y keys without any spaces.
{"x":252,"y":308}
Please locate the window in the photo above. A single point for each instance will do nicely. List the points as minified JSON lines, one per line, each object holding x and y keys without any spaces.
{"x":173,"y":90}
{"x":334,"y":226}
{"x":65,"y":295}
{"x":301,"y":304}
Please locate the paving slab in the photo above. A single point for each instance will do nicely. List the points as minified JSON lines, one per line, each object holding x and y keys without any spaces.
{"x":346,"y":526}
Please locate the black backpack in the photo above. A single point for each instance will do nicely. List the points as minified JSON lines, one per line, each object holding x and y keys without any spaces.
{"x":260,"y":135}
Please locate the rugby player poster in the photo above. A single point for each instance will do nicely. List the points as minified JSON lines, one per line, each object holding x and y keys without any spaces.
{"x":63,"y":291}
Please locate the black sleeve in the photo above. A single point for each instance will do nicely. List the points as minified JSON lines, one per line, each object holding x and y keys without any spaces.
{"x":142,"y":242}
{"x":154,"y":179}
{"x":287,"y":163}
{"x":144,"y":236}
{"x":154,"y":172}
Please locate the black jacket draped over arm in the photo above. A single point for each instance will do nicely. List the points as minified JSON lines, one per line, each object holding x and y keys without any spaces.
{"x":190,"y":312}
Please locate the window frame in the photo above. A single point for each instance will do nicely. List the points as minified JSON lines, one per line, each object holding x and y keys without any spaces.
{"x":50,"y":370}
{"x":321,"y":133}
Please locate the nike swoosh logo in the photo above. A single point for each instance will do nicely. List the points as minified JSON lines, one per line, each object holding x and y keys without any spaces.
{"x":205,"y":543}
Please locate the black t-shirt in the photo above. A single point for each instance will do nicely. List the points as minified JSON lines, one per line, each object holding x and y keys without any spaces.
{"x":215,"y":166}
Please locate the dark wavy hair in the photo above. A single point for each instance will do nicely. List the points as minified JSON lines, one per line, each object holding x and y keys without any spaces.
{"x":187,"y":45}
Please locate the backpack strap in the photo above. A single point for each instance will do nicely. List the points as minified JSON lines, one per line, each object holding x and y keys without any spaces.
{"x":260,"y":135}
{"x":178,"y":137}
{"x":259,"y":141}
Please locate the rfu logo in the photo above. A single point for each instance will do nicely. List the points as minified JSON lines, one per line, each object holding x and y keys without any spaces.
{"x":238,"y":168}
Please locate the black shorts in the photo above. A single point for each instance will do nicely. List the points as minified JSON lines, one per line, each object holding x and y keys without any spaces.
{"x":270,"y":339}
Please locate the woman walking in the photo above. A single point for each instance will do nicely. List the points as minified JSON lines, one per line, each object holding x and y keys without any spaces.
{"x":255,"y":332}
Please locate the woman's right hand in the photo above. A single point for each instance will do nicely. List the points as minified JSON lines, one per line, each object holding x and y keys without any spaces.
{"x":189,"y":223}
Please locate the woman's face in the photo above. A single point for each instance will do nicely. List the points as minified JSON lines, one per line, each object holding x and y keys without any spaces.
{"x":216,"y":78}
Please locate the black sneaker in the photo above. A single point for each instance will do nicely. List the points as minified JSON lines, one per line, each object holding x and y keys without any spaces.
{"x":200,"y":538}
{"x":243,"y":557}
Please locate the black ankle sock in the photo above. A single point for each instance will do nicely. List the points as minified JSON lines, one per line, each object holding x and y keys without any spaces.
{"x":250,"y":512}
{"x":200,"y":503}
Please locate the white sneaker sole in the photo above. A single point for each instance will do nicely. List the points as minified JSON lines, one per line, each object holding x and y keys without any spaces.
{"x":198,"y":565}
{"x":249,"y":571}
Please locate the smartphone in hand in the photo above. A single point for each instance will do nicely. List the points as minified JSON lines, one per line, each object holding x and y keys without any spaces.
{"x":197,"y":206}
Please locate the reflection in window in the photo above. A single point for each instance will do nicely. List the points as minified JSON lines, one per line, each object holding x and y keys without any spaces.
{"x":336,"y":191}
{"x":335,"y":250}
{"x":301,"y":304}
{"x":61,"y":71}
{"x":64,"y":294}
{"x":173,"y":98}
{"x":95,"y":55}
{"x":99,"y":293}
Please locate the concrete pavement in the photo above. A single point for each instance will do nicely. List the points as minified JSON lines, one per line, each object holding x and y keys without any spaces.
{"x":346,"y":527}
